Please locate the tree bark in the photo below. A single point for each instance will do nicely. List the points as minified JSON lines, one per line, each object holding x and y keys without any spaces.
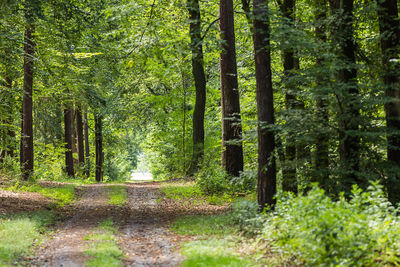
{"x":231,"y":119}
{"x":27,"y":104}
{"x":200,"y":83}
{"x":98,"y":125}
{"x":69,"y":161}
{"x":348,"y":95}
{"x":87,"y":149}
{"x":289,"y":181}
{"x":79,"y":133}
{"x":322,"y":140}
{"x":390,"y":41}
{"x":266,"y":188}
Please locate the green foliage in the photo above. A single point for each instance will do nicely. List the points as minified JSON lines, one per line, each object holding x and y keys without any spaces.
{"x":63,"y":194}
{"x":245,"y":214}
{"x":103,"y":248}
{"x":213,"y":252}
{"x":319,"y":231}
{"x":212,"y":179}
{"x":18,"y":233}
{"x":203,"y":225}
{"x":117,"y":195}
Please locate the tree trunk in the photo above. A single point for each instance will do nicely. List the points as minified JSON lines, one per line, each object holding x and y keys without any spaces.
{"x":390,"y":41}
{"x":87,"y":149}
{"x":69,"y":161}
{"x":99,"y":146}
{"x":289,"y":181}
{"x":79,"y":132}
{"x":348,"y":96}
{"x":322,"y":140}
{"x":200,"y":83}
{"x":266,"y":188}
{"x":231,"y":119}
{"x":27,"y":103}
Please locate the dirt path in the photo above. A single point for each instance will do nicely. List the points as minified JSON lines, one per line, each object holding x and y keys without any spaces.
{"x":143,"y":235}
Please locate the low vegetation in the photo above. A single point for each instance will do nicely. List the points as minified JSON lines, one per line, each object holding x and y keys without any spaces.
{"x":117,"y":195}
{"x":63,"y":195}
{"x":19,"y":232}
{"x":103,"y":248}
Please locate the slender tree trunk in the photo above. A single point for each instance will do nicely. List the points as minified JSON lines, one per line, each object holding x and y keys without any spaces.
{"x":390,"y":41}
{"x":79,"y":131}
{"x":98,"y":125}
{"x":231,"y":118}
{"x":185,"y":87}
{"x":87,"y":149}
{"x":349,"y":117}
{"x":266,"y":188}
{"x":69,"y":163}
{"x":289,"y":181}
{"x":27,"y":104}
{"x":322,"y":140}
{"x":199,"y":82}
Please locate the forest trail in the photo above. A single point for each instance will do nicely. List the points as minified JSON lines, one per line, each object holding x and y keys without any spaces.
{"x":142,"y":235}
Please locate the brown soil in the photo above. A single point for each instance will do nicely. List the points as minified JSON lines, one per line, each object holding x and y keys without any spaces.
{"x":143,"y":224}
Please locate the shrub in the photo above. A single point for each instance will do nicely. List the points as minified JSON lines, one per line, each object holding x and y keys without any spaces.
{"x":212,"y":179}
{"x":316,"y":230}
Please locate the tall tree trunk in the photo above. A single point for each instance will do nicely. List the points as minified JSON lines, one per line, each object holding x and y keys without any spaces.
{"x":266,"y":188}
{"x":231,"y":118}
{"x":69,"y":161}
{"x":27,"y":104}
{"x":98,"y":125}
{"x":322,"y":140}
{"x":390,"y":41}
{"x":199,"y":82}
{"x":87,"y":149}
{"x":79,"y":133}
{"x":348,"y":96}
{"x":289,"y":181}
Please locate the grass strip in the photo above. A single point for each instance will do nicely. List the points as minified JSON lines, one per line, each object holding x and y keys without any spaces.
{"x":18,"y":232}
{"x":204,"y":225}
{"x":117,"y":195}
{"x":103,"y":247}
{"x":63,"y":195}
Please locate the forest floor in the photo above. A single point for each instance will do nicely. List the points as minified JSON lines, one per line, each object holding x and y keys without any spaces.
{"x":141,"y":224}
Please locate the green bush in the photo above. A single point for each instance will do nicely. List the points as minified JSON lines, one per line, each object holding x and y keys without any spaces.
{"x":245,"y":214}
{"x":245,"y":183}
{"x":318,"y":231}
{"x":212,"y":180}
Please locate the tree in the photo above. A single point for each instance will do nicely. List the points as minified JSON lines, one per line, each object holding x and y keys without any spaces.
{"x":79,"y":133}
{"x":232,"y":154}
{"x":98,"y":125}
{"x":390,"y":41}
{"x":68,"y":120}
{"x":199,"y":82}
{"x":347,"y":93}
{"x":27,"y":102}
{"x":87,"y":149}
{"x":322,"y":139}
{"x":266,"y":188}
{"x":289,"y":181}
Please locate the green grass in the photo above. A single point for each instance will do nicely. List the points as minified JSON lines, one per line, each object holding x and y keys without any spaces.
{"x":204,"y":225}
{"x":213,"y":253}
{"x":18,"y":233}
{"x":63,"y":194}
{"x":117,"y":195}
{"x":103,"y":247}
{"x":181,"y":191}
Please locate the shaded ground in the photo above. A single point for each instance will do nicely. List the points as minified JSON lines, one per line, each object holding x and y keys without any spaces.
{"x":143,"y":225}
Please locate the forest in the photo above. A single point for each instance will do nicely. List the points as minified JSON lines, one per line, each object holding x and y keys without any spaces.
{"x":270,"y":128}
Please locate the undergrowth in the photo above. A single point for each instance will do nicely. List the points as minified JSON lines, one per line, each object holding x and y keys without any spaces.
{"x":18,"y":233}
{"x":103,"y":247}
{"x":117,"y":195}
